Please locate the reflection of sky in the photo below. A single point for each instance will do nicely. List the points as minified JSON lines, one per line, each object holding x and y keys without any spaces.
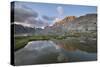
{"x":43,"y":51}
{"x":57,"y":10}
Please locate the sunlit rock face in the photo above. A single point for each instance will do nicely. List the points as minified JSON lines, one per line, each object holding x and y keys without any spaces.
{"x":66,"y":20}
{"x":69,"y":18}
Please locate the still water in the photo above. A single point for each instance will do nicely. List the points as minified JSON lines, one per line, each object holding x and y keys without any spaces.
{"x":55,"y":51}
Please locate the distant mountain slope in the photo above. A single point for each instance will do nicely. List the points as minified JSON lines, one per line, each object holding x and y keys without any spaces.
{"x":19,"y":29}
{"x":84,"y":23}
{"x":71,"y":23}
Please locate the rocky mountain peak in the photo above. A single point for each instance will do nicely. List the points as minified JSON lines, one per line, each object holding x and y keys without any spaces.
{"x":66,"y":20}
{"x":69,"y":18}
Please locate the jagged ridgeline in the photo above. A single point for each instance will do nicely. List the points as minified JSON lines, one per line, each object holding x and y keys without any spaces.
{"x":85,"y":23}
{"x":69,"y":24}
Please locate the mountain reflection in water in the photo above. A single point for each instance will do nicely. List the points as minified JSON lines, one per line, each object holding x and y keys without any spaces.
{"x":42,"y":52}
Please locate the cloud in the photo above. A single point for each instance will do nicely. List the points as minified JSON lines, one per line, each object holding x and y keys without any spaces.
{"x":57,"y":20}
{"x":21,"y":13}
{"x":48,"y":18}
{"x":26,"y":16}
{"x":60,"y":10}
{"x":37,"y":22}
{"x":31,"y":22}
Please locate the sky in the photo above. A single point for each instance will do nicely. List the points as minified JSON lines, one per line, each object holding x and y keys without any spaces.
{"x":43,"y":14}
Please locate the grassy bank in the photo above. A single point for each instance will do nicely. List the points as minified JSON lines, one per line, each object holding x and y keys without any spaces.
{"x":21,"y":41}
